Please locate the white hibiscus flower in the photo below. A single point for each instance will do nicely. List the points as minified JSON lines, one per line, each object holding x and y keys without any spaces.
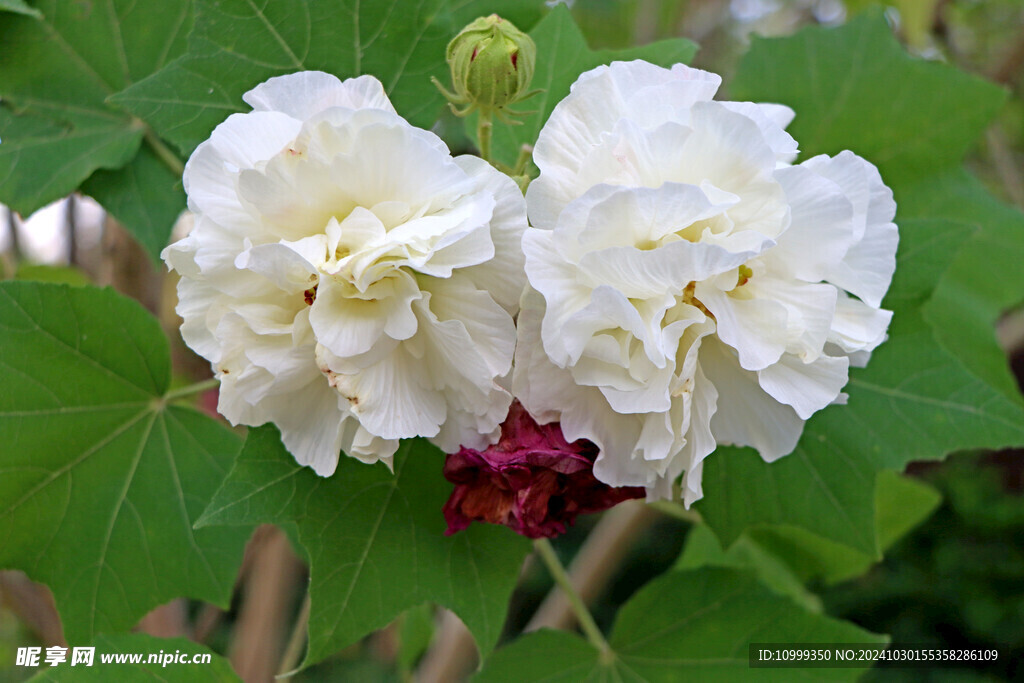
{"x":347,"y":278}
{"x":689,"y":286}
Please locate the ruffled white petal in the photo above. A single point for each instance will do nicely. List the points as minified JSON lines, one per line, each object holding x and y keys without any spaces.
{"x":858,"y":327}
{"x":867,"y":268}
{"x":632,"y":91}
{"x":746,"y":415}
{"x":756,"y":327}
{"x":350,"y":281}
{"x":821,"y":229}
{"x":772,"y":120}
{"x":687,"y":285}
{"x":241,"y":141}
{"x":503,"y":276}
{"x":807,"y":387}
{"x":307,"y":93}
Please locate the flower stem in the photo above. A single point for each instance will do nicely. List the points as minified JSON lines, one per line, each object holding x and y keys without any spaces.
{"x":484,"y":127}
{"x":525,"y":154}
{"x":164,"y":153}
{"x":293,"y":651}
{"x":551,"y":561}
{"x":197,"y":388}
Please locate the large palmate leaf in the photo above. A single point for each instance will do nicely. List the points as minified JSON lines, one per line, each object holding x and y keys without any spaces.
{"x":375,"y":540}
{"x":56,"y":126}
{"x":854,"y":87}
{"x":145,"y":195}
{"x":931,"y":388}
{"x":562,"y":55}
{"x":986,"y":277}
{"x":237,"y":44}
{"x":685,"y":625}
{"x":100,"y":479}
{"x":125,"y":658}
{"x":786,"y":557}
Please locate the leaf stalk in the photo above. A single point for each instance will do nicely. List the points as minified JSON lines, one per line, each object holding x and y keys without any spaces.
{"x":191,"y":389}
{"x":558,"y":573}
{"x":164,"y":153}
{"x":484,"y":128}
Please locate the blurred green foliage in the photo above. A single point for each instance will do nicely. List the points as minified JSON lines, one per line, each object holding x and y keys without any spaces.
{"x":958,"y":580}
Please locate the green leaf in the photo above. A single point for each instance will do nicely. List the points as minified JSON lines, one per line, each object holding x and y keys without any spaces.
{"x":985,"y":278}
{"x":19,"y":7}
{"x":56,"y":75}
{"x":901,"y":503}
{"x":562,"y":55}
{"x":216,"y":670}
{"x":43,"y":158}
{"x":145,"y":195}
{"x":854,"y":87}
{"x":414,"y":636}
{"x":683,"y":625}
{"x":703,"y":550}
{"x":375,"y":540}
{"x":914,"y":401}
{"x":785,"y":557}
{"x":549,"y":656}
{"x":65,"y":275}
{"x":237,"y":44}
{"x":101,"y":480}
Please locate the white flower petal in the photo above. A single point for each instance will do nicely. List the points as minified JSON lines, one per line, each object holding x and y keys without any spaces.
{"x":503,"y":275}
{"x":198,"y":305}
{"x":700,"y":438}
{"x":392,"y":398}
{"x":809,"y":311}
{"x":772,"y":119}
{"x":808,"y":387}
{"x":280,"y":264}
{"x":867,"y":268}
{"x":359,"y":443}
{"x":489,"y":331}
{"x":553,"y":278}
{"x":746,"y":415}
{"x":303,"y":94}
{"x":609,"y":216}
{"x":540,"y":386}
{"x":858,"y":326}
{"x":349,"y":325}
{"x":821,"y":225}
{"x":756,"y":328}
{"x":242,"y":141}
{"x":634,"y":91}
{"x":467,"y":340}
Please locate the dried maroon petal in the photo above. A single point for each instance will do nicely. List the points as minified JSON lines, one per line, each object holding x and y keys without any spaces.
{"x":532,"y":480}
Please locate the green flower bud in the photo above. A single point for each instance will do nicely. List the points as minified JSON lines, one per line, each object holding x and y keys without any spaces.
{"x":492,"y":64}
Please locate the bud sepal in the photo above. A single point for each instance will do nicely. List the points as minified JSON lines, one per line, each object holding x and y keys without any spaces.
{"x":491,"y":64}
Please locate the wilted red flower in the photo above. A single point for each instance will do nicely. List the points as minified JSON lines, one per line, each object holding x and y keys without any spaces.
{"x":532,"y":480}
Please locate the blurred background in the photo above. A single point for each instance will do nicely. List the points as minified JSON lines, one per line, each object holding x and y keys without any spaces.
{"x":955,"y":580}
